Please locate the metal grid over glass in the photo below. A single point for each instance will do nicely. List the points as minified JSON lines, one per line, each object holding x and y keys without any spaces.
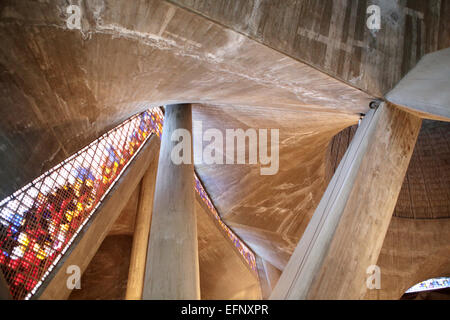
{"x":39,"y":222}
{"x":431,"y":284}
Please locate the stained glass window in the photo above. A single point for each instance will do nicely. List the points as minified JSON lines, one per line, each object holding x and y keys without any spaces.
{"x":39,"y":222}
{"x":431,"y":284}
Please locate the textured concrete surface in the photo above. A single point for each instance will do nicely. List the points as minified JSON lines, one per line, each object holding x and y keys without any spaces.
{"x":426,"y":88}
{"x":271,"y":212}
{"x":413,"y":251}
{"x":107,"y":274}
{"x":332,"y":35}
{"x":63,"y":88}
{"x":296,"y":65}
{"x":223,"y":273}
{"x":425,"y":193}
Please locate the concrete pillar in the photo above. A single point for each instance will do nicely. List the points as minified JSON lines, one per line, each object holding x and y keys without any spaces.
{"x":143,"y":222}
{"x":346,"y":233}
{"x":172,"y":270}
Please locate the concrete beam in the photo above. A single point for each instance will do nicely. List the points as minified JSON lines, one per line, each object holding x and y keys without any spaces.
{"x":172,"y":270}
{"x":425,"y":90}
{"x":138,"y":258}
{"x":346,"y":232}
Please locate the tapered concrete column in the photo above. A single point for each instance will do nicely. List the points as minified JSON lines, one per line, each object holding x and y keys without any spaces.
{"x":347,"y":230}
{"x":143,"y":222}
{"x":172,"y":270}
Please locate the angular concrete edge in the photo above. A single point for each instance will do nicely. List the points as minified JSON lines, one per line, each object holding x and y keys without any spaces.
{"x":346,"y":232}
{"x":425,"y":90}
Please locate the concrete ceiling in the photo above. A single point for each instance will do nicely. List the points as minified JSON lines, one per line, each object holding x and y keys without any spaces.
{"x":332,"y":35}
{"x":63,"y":88}
{"x":305,"y":67}
{"x":270,"y":212}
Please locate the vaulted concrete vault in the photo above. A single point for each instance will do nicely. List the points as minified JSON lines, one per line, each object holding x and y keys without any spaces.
{"x":271,"y":212}
{"x":127,"y":57}
{"x":307,"y":68}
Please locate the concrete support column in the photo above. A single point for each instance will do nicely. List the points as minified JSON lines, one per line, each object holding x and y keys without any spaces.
{"x":138,"y":259}
{"x":347,"y":230}
{"x":172,"y":270}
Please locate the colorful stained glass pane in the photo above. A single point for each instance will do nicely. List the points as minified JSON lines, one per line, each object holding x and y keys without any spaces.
{"x":40,"y":221}
{"x":431,"y":284}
